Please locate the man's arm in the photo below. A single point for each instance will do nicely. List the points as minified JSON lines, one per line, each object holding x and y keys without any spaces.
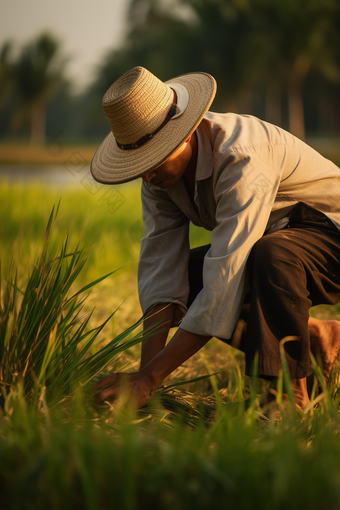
{"x":151,"y":346}
{"x":181,"y":347}
{"x":140,"y":387}
{"x":164,"y":254}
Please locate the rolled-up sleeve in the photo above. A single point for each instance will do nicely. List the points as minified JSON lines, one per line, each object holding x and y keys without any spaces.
{"x":164,"y":255}
{"x":245,"y":191}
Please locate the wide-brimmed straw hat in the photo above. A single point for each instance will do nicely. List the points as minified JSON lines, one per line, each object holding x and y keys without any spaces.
{"x":149,"y":120}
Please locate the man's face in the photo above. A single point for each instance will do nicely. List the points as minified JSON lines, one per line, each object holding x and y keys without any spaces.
{"x":169,"y":172}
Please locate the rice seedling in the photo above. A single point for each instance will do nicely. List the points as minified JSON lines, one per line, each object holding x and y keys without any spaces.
{"x":45,"y":342}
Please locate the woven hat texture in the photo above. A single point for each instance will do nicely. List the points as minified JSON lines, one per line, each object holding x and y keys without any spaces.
{"x":136,"y":105}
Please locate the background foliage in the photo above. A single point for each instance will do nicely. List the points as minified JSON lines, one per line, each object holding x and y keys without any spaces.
{"x":277,"y":59}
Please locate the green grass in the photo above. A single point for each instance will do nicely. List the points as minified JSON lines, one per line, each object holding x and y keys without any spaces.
{"x":113,"y":239}
{"x":234,"y":463}
{"x":196,"y":445}
{"x":114,"y":236}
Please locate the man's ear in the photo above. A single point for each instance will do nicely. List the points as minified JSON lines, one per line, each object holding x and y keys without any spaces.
{"x":188,"y":139}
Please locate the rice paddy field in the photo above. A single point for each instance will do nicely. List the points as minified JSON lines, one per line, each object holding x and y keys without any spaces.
{"x":202,"y":442}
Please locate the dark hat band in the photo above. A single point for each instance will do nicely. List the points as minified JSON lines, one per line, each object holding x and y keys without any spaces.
{"x":146,"y":138}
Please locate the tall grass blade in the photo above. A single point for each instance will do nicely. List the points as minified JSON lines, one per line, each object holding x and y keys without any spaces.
{"x":43,"y":340}
{"x":285,"y":371}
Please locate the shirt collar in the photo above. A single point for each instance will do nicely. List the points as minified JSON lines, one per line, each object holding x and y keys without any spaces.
{"x":204,"y":166}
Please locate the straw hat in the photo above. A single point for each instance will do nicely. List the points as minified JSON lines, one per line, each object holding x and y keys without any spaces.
{"x":149,"y":120}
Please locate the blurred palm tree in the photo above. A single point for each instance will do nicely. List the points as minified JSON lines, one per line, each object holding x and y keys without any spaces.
{"x":178,"y":36}
{"x":259,"y":51}
{"x":298,"y":37}
{"x":6,"y":75}
{"x":36,"y":75}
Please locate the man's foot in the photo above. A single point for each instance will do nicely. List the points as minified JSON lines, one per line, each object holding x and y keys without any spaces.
{"x":300,"y":394}
{"x":325,"y":342}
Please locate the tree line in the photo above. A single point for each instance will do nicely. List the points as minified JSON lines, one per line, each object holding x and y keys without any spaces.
{"x":277,"y":59}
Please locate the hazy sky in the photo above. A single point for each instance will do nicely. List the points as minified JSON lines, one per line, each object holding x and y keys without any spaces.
{"x":86,"y":28}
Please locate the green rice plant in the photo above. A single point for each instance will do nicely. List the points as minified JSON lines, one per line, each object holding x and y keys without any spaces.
{"x":45,"y":342}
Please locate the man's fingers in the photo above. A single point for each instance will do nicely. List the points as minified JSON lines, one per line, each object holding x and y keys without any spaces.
{"x":114,"y":383}
{"x":110,"y":380}
{"x":107,"y":393}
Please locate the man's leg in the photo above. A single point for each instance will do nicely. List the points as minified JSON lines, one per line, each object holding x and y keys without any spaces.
{"x":196,"y":261}
{"x":291,"y":270}
{"x":324,"y":341}
{"x":324,"y":282}
{"x":324,"y":334}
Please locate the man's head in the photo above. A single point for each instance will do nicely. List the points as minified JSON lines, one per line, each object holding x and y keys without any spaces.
{"x":169,"y":172}
{"x":150,"y":122}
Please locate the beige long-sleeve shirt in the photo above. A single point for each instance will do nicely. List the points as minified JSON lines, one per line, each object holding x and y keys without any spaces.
{"x":249,"y":176}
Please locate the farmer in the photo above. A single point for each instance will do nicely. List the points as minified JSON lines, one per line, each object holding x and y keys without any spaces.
{"x":272,"y":205}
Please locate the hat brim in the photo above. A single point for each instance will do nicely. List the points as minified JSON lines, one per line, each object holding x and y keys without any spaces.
{"x":112,"y":165}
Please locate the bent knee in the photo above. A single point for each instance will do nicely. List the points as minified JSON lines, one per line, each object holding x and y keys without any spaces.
{"x":273,"y":250}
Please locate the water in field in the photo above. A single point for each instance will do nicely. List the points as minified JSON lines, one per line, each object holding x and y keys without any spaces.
{"x":58,"y":175}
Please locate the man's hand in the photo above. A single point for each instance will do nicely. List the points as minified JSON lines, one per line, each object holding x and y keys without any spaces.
{"x":140,"y":387}
{"x":124,"y":387}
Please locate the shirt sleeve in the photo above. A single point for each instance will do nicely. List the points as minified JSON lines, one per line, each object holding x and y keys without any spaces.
{"x":245,"y":191}
{"x":164,"y":255}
